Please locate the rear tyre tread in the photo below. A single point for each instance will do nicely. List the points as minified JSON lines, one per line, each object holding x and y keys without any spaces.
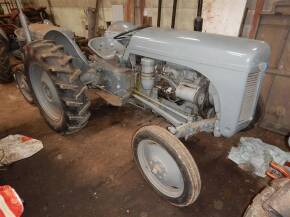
{"x":82,"y":118}
{"x":66,"y":86}
{"x":72,"y":102}
{"x":85,"y":107}
{"x":71,"y":92}
{"x":75,"y":75}
{"x":57,"y":48}
{"x":6,"y":75}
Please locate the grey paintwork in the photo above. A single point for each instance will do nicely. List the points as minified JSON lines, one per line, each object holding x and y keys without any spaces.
{"x":65,"y":38}
{"x":225,"y":61}
{"x":106,"y":47}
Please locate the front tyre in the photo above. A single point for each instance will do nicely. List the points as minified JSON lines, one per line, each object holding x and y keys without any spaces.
{"x":56,"y":86}
{"x":166,"y":165}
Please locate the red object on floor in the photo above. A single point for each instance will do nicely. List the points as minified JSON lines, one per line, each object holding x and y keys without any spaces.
{"x":25,"y":138}
{"x":10,"y":203}
{"x":277,"y":171}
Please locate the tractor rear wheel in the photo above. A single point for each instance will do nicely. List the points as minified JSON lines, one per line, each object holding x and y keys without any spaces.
{"x":56,"y":86}
{"x":22,"y":84}
{"x":5,"y":69}
{"x":20,"y":77}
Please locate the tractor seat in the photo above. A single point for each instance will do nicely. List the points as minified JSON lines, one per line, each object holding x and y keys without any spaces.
{"x":103,"y":47}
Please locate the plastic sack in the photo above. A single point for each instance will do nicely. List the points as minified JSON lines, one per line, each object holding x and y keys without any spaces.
{"x":17,"y":147}
{"x":254,"y":155}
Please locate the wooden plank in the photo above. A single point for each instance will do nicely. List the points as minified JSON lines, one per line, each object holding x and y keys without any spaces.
{"x":130,"y":11}
{"x":141,"y":11}
{"x":92,"y":17}
{"x":277,"y":112}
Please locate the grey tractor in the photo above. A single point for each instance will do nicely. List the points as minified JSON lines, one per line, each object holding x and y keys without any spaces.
{"x":195,"y":81}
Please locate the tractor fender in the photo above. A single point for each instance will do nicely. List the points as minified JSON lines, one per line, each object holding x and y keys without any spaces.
{"x":61,"y":37}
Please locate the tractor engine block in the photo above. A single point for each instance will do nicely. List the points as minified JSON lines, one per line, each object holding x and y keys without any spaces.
{"x":184,"y":87}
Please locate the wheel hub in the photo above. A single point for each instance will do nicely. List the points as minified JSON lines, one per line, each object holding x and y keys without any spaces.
{"x":46,"y":91}
{"x":160,"y":168}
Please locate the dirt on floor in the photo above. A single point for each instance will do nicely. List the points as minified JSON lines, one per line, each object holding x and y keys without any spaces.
{"x":92,"y":173}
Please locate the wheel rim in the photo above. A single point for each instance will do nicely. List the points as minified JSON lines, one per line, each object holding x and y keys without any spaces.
{"x":45,"y":92}
{"x":23,"y":86}
{"x":160,"y":168}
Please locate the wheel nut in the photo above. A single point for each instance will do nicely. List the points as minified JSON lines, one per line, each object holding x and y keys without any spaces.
{"x":154,"y":171}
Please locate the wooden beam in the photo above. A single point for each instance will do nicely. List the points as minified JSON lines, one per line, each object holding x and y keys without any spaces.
{"x":141,"y":11}
{"x":93,"y":20}
{"x":130,"y":11}
{"x":256,"y":18}
{"x":159,"y":13}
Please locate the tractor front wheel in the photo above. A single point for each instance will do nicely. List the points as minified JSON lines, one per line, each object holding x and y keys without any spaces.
{"x":166,"y":165}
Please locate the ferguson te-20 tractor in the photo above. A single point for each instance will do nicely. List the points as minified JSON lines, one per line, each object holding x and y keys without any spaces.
{"x":195,"y":81}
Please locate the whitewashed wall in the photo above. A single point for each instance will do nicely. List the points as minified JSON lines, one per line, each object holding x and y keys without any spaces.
{"x":220,"y":16}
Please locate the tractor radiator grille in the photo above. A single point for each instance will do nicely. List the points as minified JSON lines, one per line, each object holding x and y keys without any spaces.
{"x":250,"y":97}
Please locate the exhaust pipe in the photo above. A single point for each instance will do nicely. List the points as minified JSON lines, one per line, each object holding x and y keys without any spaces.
{"x":159,"y":13}
{"x":173,"y":14}
{"x":198,"y":21}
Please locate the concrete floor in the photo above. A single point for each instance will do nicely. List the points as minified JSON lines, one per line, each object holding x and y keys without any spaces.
{"x":91,"y":173}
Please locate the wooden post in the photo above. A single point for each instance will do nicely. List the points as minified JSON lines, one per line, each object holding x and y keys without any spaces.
{"x":93,"y":20}
{"x":141,"y":7}
{"x":91,"y":14}
{"x":130,"y":11}
{"x":159,"y":13}
{"x":256,"y":18}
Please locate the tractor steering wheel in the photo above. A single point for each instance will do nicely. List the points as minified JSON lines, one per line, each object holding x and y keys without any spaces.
{"x":119,"y":36}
